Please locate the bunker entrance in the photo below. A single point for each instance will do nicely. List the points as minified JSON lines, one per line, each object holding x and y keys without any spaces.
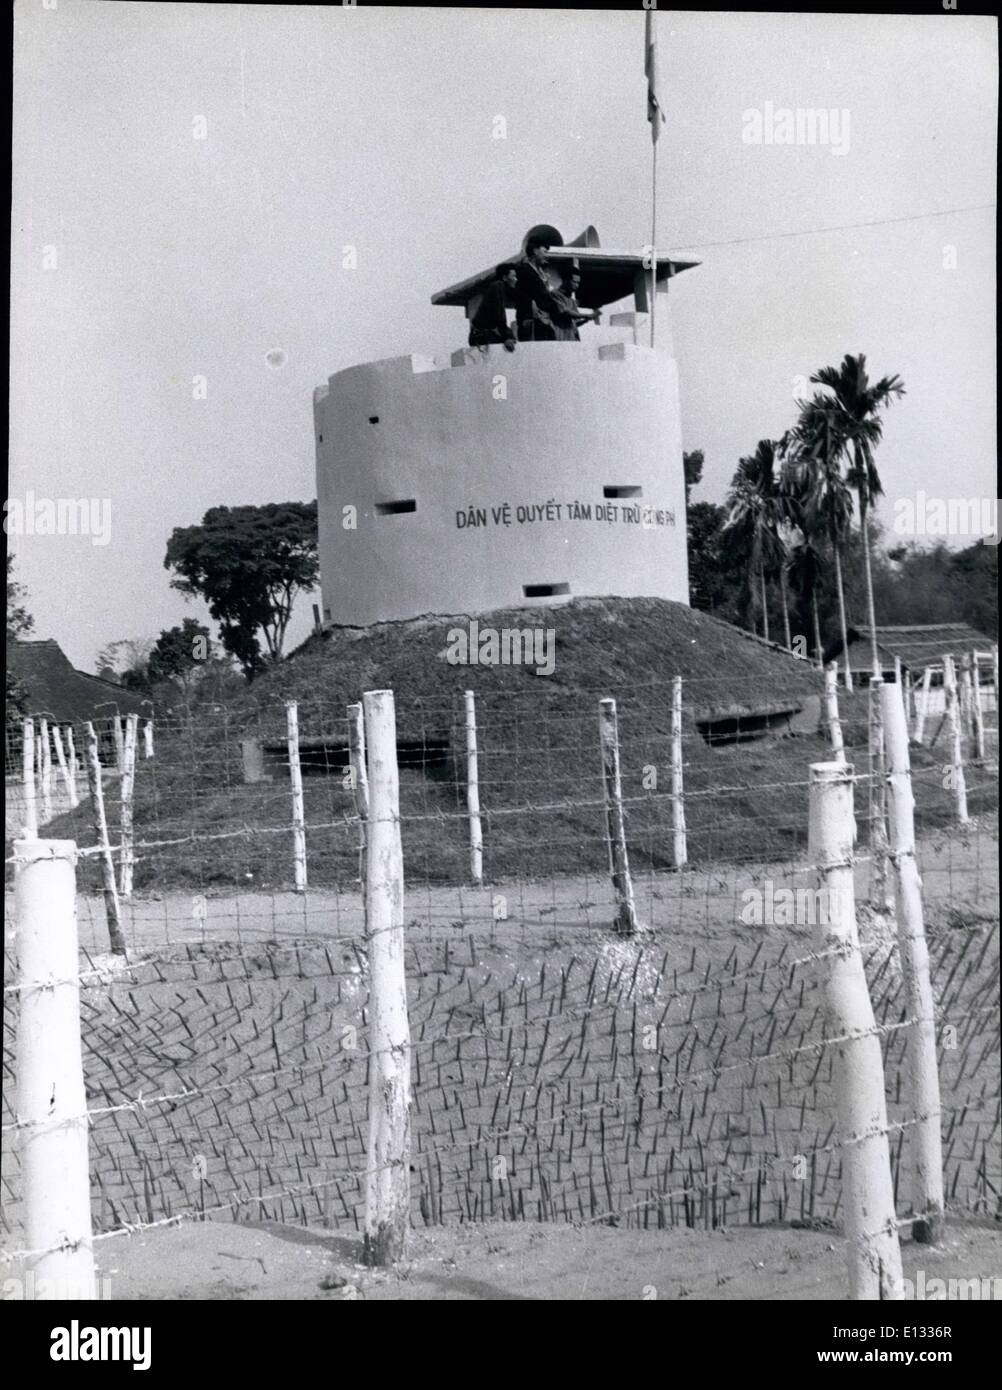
{"x":721,"y":727}
{"x":325,"y":757}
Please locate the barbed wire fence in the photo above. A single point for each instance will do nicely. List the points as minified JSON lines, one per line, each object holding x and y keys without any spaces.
{"x":614,"y":983}
{"x":215,"y":807}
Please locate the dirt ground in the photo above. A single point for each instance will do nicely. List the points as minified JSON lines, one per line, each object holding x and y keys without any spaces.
{"x":959,"y":877}
{"x":519,"y":1260}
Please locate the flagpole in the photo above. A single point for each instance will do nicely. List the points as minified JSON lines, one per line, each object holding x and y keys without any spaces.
{"x":654,"y":232}
{"x":655,"y":117}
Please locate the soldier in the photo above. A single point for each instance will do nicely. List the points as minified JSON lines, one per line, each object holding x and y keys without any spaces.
{"x":489,"y":323}
{"x":569,"y":314}
{"x":534,"y":301}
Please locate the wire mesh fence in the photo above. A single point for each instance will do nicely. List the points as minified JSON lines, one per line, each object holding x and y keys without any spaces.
{"x":561,"y":1072}
{"x":213,"y":808}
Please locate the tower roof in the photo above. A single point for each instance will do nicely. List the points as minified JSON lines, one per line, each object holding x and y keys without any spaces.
{"x":606,"y":276}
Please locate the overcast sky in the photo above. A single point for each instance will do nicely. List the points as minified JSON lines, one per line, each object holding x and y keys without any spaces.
{"x":178,"y":256}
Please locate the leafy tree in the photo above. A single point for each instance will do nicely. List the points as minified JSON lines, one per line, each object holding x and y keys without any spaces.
{"x":975,"y":586}
{"x":19,"y":624}
{"x":180,"y":654}
{"x":693,"y":466}
{"x":716,"y":569}
{"x":248,"y":563}
{"x":716,"y":566}
{"x":19,"y":620}
{"x":933,"y":584}
{"x":126,"y":662}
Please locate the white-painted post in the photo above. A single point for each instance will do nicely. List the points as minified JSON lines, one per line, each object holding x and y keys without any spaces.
{"x":38,"y":774}
{"x":831,"y":712}
{"x":387,"y":1197}
{"x":359,"y":779}
{"x":71,"y":759}
{"x":45,"y":769}
{"x":626,"y":912}
{"x":111,"y":905}
{"x":680,"y":851}
{"x":925,"y":1139}
{"x":298,"y":809}
{"x":911,"y":710}
{"x":877,"y":801}
{"x":473,"y":792}
{"x":116,"y":726}
{"x":126,"y":860}
{"x":966,"y":696}
{"x":957,"y":779}
{"x":995,"y":682}
{"x":28,"y":777}
{"x":69,"y":782}
{"x":51,"y":1104}
{"x":148,"y":738}
{"x":923,"y":705}
{"x":873,"y":1251}
{"x":977,"y":709}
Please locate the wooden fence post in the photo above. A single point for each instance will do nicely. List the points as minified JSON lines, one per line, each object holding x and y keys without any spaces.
{"x":911,"y":708}
{"x":69,"y":782}
{"x":111,"y":906}
{"x":28,"y":777}
{"x":126,"y":860}
{"x":957,"y":780}
{"x":977,"y":710}
{"x":680,"y":851}
{"x":387,"y":1200}
{"x":995,"y":681}
{"x":925,"y":1139}
{"x":359,"y":780}
{"x":877,"y":800}
{"x":298,"y":811}
{"x":148,"y":738}
{"x":923,"y":705}
{"x":872,"y":1246}
{"x":71,"y":760}
{"x":473,"y":792}
{"x":45,"y":768}
{"x":626,"y":912}
{"x":831,"y":711}
{"x":116,"y":728}
{"x":966,"y":696}
{"x":51,"y":1104}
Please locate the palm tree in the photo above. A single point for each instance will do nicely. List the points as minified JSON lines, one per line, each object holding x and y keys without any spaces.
{"x":789,"y":525}
{"x":784,"y":597}
{"x":814,"y":450}
{"x":806,"y":561}
{"x":858,"y":406}
{"x":805,"y":569}
{"x":755,"y":516}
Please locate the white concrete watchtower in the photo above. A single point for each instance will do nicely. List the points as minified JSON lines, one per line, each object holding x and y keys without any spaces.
{"x":494,"y":479}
